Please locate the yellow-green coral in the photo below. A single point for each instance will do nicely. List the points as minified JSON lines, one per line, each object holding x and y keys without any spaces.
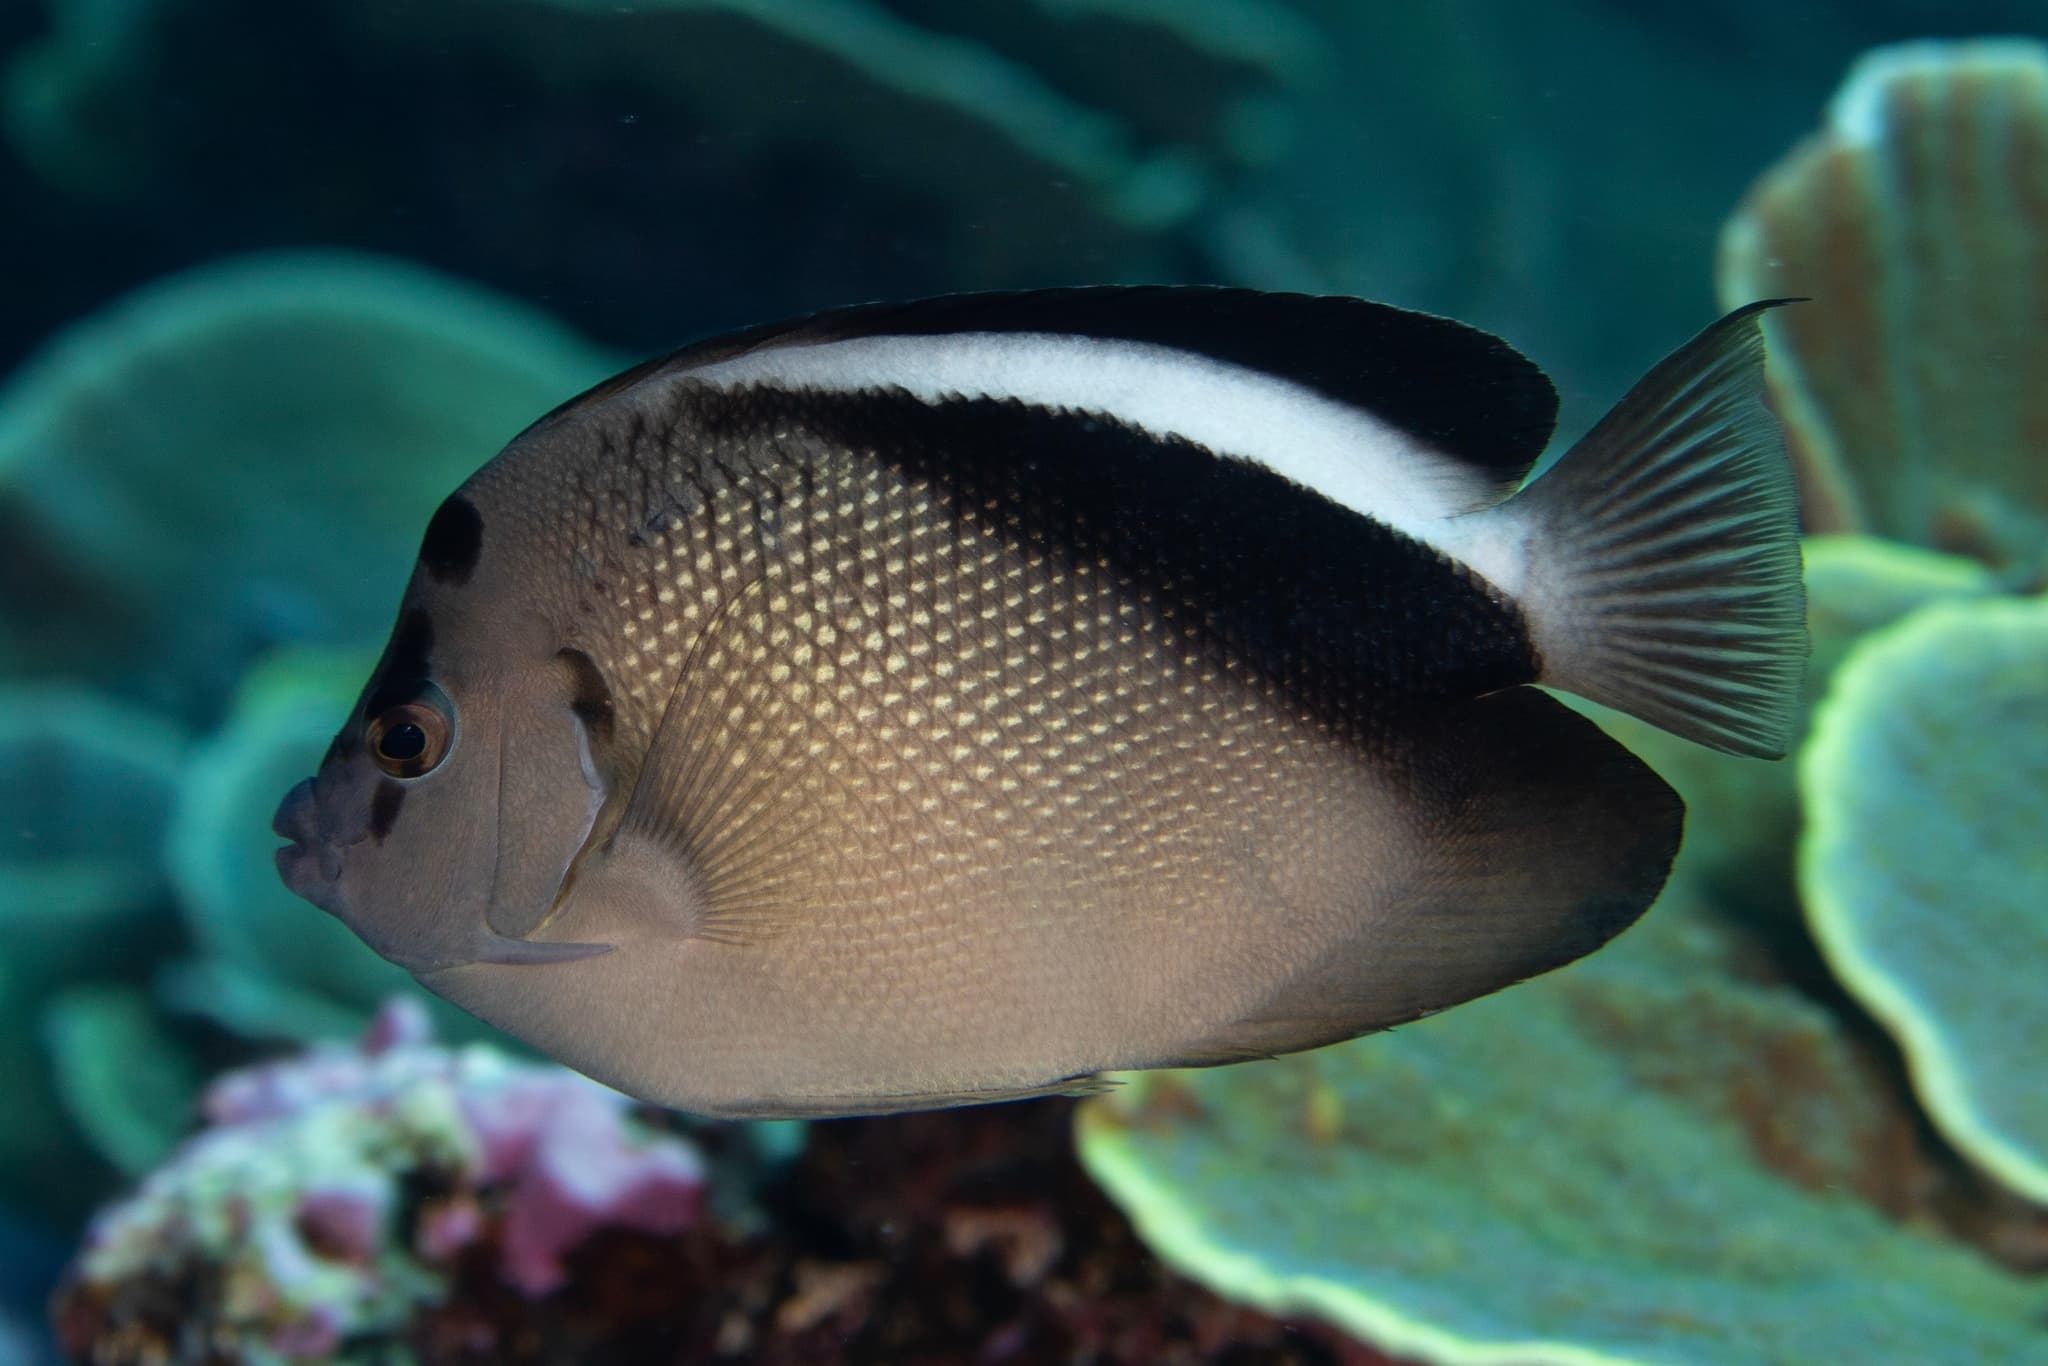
{"x":1925,"y":864}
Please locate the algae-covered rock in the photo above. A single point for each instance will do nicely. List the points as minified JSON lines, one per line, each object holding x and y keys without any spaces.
{"x":1917,"y":220}
{"x":275,"y":966}
{"x":1641,"y":1158}
{"x":246,"y":454}
{"x":335,"y":1196}
{"x":1925,"y":864}
{"x":1742,"y":815}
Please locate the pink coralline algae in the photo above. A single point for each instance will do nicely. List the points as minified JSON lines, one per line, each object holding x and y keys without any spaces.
{"x":331,"y":1195}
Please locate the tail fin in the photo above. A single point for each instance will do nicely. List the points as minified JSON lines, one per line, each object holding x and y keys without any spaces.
{"x":1665,"y":574}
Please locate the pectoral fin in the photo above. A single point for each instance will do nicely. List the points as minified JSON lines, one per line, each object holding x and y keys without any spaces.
{"x":716,"y":833}
{"x":499,"y":949}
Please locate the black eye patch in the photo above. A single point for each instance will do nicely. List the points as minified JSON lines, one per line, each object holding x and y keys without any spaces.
{"x":406,"y":663}
{"x":384,"y":808}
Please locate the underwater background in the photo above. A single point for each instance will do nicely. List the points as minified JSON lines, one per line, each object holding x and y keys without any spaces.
{"x":283,"y":275}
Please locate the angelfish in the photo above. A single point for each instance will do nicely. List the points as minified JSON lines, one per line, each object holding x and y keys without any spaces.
{"x":922,"y":704}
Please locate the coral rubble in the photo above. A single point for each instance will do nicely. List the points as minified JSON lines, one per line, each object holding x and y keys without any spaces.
{"x":332,"y":1196}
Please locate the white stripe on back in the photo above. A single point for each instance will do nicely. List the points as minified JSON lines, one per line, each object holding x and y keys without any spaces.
{"x":1343,"y":453}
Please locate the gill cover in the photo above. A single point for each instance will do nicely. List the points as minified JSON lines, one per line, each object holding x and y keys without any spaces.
{"x":450,"y":813}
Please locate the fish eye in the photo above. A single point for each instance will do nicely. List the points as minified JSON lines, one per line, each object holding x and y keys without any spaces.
{"x":411,"y":738}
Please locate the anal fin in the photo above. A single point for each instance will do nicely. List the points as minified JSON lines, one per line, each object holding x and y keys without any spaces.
{"x":890,"y":1103}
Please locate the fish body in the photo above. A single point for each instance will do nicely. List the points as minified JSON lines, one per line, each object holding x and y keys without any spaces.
{"x":945,"y":702}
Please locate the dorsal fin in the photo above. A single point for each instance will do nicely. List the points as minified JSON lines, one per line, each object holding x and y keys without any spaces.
{"x":1462,"y":392}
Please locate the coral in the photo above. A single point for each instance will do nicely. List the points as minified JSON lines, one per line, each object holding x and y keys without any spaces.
{"x":1924,"y":869}
{"x":82,"y":813}
{"x":971,"y":135}
{"x":1641,"y":1158}
{"x":973,"y":1235}
{"x":128,"y":1085}
{"x":963,"y":1236}
{"x":1022,"y":126}
{"x":1744,"y":819}
{"x":54,"y":97}
{"x":1916,"y":219}
{"x":81,"y":828}
{"x":332,"y":1195}
{"x":1671,"y":1151}
{"x":265,"y":436}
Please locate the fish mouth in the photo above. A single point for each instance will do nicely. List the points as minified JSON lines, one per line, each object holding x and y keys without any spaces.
{"x":309,"y":866}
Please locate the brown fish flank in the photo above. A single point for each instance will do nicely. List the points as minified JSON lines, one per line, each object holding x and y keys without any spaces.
{"x":978,"y":742}
{"x":900,"y":708}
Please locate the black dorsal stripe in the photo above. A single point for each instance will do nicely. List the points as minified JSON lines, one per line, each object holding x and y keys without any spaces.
{"x":1464,"y":391}
{"x":1339,"y":609}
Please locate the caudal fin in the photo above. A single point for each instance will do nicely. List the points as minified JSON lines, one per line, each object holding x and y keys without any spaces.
{"x":1663,"y":573}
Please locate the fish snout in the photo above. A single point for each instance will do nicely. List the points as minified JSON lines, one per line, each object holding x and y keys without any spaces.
{"x":309,"y":866}
{"x":297,"y":814}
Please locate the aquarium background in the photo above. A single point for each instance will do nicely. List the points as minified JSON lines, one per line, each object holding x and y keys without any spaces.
{"x":281,"y":275}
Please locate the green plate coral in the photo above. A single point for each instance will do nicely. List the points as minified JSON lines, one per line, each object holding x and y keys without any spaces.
{"x":1687,"y":1148}
{"x":82,"y":895}
{"x":1911,"y":386}
{"x":1642,"y":1158}
{"x":265,"y":437}
{"x":1925,"y":864}
{"x":127,"y":1084}
{"x":1743,"y":814}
